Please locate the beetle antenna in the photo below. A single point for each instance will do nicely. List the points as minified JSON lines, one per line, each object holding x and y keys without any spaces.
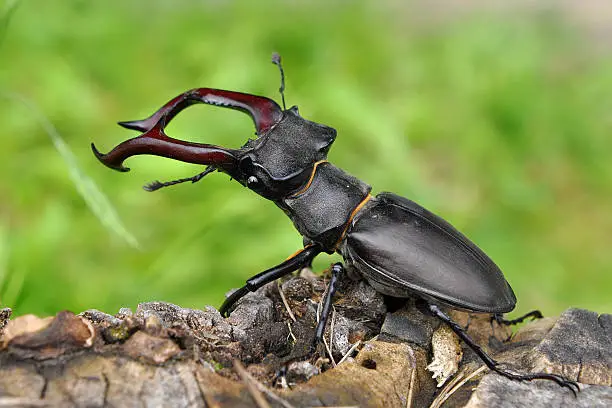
{"x":276,"y":59}
{"x":156,"y":185}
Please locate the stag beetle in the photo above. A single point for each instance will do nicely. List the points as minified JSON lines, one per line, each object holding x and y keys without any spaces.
{"x":399,"y":247}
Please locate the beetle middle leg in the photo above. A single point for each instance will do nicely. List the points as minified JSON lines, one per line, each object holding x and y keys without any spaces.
{"x":491,"y":363}
{"x":336,"y":270}
{"x":293,"y":263}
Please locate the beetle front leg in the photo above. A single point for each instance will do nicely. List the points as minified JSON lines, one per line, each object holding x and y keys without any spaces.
{"x":293,"y":263}
{"x":494,"y":365}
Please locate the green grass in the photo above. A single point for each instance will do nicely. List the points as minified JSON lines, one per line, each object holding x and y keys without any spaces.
{"x":500,"y":123}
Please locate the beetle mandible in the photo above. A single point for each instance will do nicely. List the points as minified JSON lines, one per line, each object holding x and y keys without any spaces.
{"x":399,"y":247}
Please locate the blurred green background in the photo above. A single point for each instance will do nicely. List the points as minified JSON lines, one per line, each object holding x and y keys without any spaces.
{"x":497,"y":118}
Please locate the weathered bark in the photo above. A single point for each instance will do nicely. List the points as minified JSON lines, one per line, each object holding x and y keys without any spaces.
{"x":164,"y":355}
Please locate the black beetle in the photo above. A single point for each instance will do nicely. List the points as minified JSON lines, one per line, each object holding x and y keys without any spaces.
{"x":402,"y":249}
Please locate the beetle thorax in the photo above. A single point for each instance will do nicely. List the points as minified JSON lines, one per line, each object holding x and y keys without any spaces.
{"x":322,"y":211}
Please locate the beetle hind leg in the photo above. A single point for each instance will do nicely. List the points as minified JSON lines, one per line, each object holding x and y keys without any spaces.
{"x":494,"y":365}
{"x":533,"y":315}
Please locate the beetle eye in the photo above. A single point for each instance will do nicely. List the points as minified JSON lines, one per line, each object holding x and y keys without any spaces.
{"x":252,"y":181}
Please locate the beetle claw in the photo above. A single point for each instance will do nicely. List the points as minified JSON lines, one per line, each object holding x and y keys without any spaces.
{"x":560,"y":380}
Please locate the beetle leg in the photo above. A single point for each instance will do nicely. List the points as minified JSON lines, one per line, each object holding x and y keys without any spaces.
{"x":336,"y":270}
{"x":533,"y":315}
{"x":468,"y":322}
{"x":499,"y":319}
{"x":156,"y":185}
{"x":494,"y":365}
{"x":293,"y":263}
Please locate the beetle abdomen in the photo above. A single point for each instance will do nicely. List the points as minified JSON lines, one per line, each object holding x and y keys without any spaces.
{"x":400,"y":247}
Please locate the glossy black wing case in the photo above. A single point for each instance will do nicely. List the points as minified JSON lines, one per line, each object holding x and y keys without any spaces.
{"x":401,"y":247}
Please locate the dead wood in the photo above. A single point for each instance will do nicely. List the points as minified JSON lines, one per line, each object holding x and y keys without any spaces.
{"x":165,"y":355}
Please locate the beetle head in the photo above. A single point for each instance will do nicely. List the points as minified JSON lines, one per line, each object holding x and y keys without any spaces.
{"x":275,"y":164}
{"x":281,"y":161}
